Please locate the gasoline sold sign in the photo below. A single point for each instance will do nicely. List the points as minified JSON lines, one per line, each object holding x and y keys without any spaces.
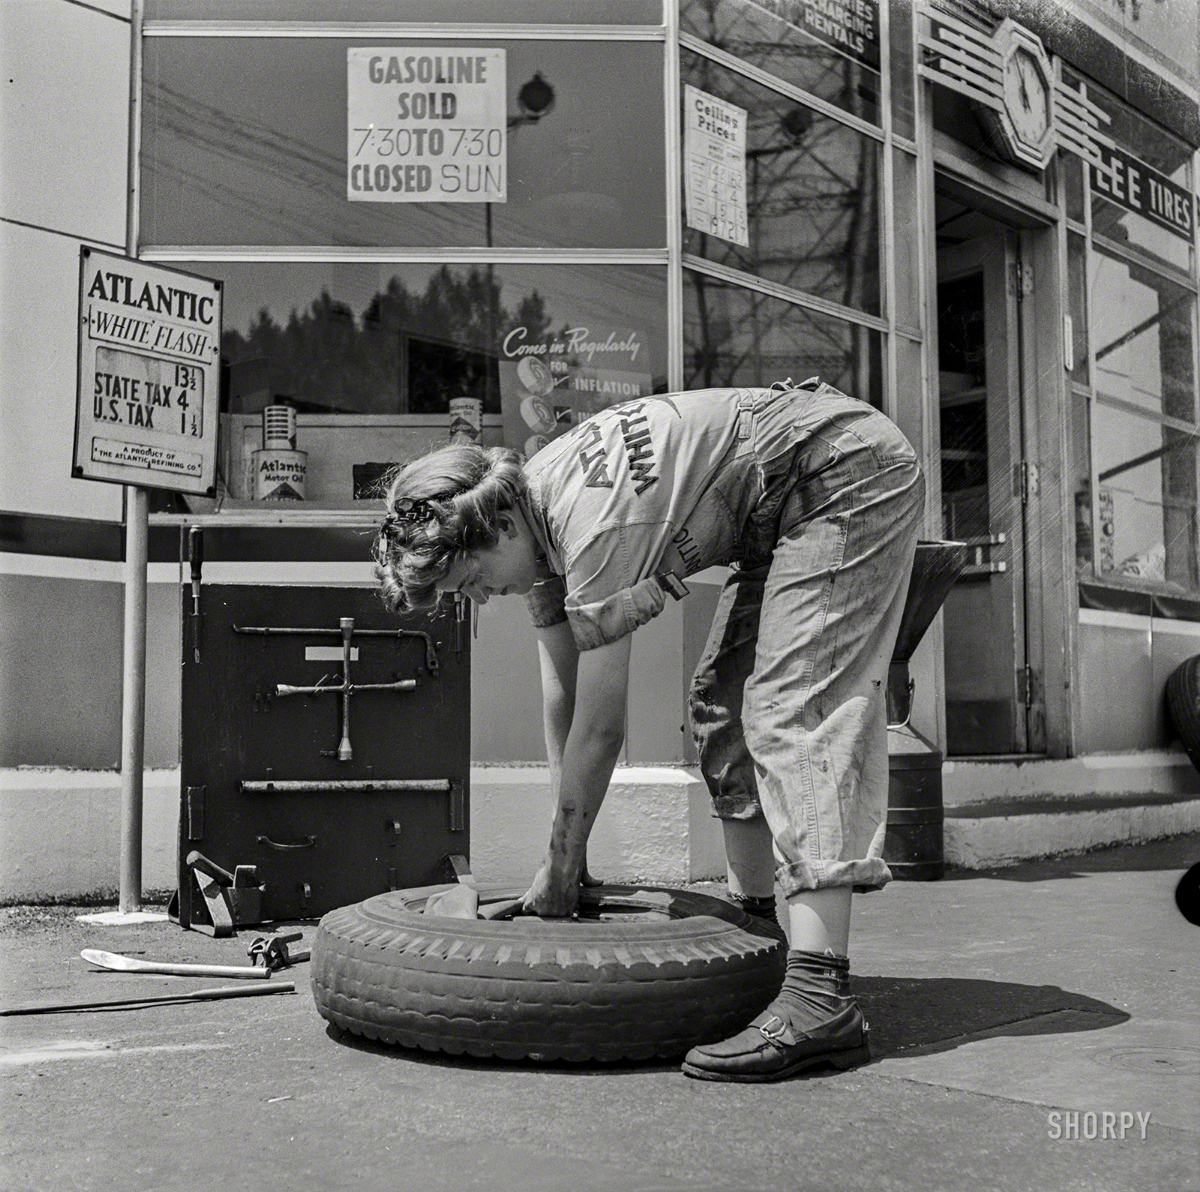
{"x":426,"y":125}
{"x":149,"y":360}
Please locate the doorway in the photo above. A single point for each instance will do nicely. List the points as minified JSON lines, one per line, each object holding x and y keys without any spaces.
{"x":982,"y":292}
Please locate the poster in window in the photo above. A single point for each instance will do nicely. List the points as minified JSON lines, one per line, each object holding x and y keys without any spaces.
{"x":426,"y":125}
{"x":552,"y":381}
{"x":714,"y":151}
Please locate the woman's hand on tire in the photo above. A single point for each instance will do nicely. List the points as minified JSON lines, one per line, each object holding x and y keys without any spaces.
{"x":555,"y":891}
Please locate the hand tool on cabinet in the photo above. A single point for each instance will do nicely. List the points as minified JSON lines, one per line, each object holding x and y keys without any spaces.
{"x":196,"y":562}
{"x":346,"y":630}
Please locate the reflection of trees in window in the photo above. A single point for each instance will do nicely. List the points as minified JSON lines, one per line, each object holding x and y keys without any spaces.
{"x":406,"y":352}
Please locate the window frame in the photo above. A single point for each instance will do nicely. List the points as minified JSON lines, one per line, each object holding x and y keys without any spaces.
{"x":1096,"y":402}
{"x":890,"y":142}
{"x":665,"y":257}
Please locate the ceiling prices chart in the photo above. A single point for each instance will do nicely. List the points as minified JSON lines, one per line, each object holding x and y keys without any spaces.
{"x":426,"y":125}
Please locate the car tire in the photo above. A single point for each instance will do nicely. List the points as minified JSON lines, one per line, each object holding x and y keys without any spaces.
{"x":1183,"y":705}
{"x":643,"y":972}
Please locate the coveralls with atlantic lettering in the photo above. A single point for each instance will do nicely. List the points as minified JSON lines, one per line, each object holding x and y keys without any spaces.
{"x":814,"y":500}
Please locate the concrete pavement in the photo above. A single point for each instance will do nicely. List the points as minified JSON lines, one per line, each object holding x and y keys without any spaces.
{"x":1011,"y":1011}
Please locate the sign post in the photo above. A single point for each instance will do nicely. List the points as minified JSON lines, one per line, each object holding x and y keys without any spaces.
{"x":145,"y":417}
{"x":133,"y":697}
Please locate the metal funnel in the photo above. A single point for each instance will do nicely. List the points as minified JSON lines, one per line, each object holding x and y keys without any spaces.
{"x":936,"y":566}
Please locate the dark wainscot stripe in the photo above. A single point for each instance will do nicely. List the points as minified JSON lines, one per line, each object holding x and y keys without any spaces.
{"x":1141,"y":604}
{"x":81,"y":538}
{"x":65,"y":537}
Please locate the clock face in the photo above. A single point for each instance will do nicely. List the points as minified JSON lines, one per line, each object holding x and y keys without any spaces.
{"x":1026,"y":96}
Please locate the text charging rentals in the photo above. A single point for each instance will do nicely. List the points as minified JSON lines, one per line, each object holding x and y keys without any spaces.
{"x":426,"y":126}
{"x":149,"y":355}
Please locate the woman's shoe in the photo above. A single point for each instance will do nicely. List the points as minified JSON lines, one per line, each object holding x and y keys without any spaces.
{"x":770,"y":1048}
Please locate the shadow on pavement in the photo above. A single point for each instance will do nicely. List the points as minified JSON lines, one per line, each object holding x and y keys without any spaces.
{"x":924,"y":1015}
{"x":1180,"y":852}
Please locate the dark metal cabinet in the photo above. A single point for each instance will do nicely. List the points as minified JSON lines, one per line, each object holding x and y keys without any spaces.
{"x":333,"y":795}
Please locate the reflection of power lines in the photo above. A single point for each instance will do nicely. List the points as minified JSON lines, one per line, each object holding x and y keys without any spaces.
{"x":836,"y":201}
{"x":812,"y":211}
{"x":741,"y":336}
{"x":760,"y":52}
{"x":185,"y":133}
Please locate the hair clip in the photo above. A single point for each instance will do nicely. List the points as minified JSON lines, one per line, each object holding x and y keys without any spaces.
{"x":412,"y":511}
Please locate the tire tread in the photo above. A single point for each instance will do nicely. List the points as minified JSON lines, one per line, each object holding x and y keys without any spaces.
{"x":626,"y":992}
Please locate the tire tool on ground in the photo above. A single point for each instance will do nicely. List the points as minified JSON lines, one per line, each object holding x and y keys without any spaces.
{"x":274,"y":953}
{"x":128,"y":964}
{"x":195,"y":995}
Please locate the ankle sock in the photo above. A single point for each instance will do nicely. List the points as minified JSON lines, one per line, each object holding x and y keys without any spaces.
{"x":762,"y":908}
{"x":815,"y":988}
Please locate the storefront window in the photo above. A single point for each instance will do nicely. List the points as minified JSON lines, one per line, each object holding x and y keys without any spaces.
{"x":359,"y":338}
{"x":811,"y":195}
{"x":736,"y":336}
{"x":1144,"y":196}
{"x":1142,"y":328}
{"x":1085,"y":551}
{"x":830,"y":51}
{"x":1147,"y":499}
{"x":245,"y":142}
{"x":562,"y":12}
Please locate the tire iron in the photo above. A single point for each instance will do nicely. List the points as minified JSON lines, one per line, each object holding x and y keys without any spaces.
{"x":195,"y":995}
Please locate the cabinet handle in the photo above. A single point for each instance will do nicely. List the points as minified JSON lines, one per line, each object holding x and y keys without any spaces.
{"x":309,"y":842}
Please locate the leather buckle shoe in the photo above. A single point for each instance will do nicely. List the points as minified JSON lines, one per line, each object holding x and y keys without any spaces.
{"x":770,"y":1049}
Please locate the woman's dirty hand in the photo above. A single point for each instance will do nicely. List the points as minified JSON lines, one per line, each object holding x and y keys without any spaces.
{"x":554,"y":893}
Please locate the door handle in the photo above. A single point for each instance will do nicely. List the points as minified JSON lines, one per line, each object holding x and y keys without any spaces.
{"x":309,"y":842}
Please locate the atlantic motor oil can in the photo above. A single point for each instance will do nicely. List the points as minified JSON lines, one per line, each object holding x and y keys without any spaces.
{"x":279,"y":469}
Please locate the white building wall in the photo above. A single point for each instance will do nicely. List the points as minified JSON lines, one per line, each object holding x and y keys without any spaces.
{"x":63,"y":180}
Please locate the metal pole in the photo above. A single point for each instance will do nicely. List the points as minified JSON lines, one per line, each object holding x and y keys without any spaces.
{"x":133,"y":697}
{"x":137,"y":533}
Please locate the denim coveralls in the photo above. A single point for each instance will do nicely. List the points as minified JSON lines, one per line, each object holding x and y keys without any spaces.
{"x":815,"y":500}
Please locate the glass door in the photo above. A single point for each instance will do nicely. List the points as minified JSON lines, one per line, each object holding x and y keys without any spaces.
{"x":979,"y":361}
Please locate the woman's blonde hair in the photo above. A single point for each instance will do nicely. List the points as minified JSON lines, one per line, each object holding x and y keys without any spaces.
{"x":439,"y":507}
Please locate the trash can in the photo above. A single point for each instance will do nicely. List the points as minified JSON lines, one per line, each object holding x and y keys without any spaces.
{"x":913,"y":845}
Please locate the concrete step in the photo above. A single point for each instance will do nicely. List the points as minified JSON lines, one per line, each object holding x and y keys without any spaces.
{"x":1005,"y":811}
